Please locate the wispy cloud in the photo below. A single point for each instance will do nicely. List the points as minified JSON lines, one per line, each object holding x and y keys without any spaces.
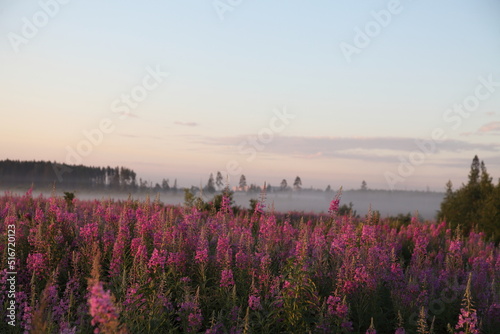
{"x":466,"y":162}
{"x":375,"y":149}
{"x":329,"y":145}
{"x":490,"y":127}
{"x":186,"y":123}
{"x":129,"y":135}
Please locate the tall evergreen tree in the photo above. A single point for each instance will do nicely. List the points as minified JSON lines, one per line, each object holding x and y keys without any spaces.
{"x":474,"y":171}
{"x":243,"y":182}
{"x":210,"y":187}
{"x":474,"y":205}
{"x":283,"y":185}
{"x":164,"y":185}
{"x":219,"y":180}
{"x":297,"y":184}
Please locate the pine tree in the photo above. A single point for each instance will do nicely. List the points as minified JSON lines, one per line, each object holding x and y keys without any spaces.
{"x":474,"y":171}
{"x":164,"y":185}
{"x":297,"y":183}
{"x":210,"y":187}
{"x":475,"y":203}
{"x":283,"y":185}
{"x":243,"y":182}
{"x":219,"y":180}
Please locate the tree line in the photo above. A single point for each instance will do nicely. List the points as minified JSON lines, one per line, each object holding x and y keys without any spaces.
{"x":46,"y":174}
{"x":475,"y":205}
{"x":217,"y":184}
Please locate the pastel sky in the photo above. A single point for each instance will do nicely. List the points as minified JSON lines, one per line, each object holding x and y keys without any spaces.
{"x":401,"y":94}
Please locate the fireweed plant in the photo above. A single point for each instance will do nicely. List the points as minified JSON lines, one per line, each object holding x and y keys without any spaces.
{"x":144,"y":267}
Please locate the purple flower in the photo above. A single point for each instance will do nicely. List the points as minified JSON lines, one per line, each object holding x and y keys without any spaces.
{"x":89,"y":233}
{"x":254,"y":302}
{"x":37,"y":264}
{"x":227,"y":278}
{"x":201,"y":255}
{"x":334,"y":204}
{"x":223,"y":251}
{"x":191,"y":314}
{"x":157,"y":260}
{"x":102,"y":309}
{"x":194,"y":321}
{"x":337,"y":307}
{"x":467,"y":320}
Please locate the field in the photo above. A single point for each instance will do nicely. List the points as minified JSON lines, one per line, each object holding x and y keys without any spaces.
{"x":145,"y":267}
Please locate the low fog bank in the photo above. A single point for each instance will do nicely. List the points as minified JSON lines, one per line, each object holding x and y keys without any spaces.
{"x":386,"y":202}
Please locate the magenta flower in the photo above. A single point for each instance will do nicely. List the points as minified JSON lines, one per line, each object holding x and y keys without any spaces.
{"x":334,"y":204}
{"x":195,"y":320}
{"x":102,"y":309}
{"x":157,"y":260}
{"x":254,"y":302}
{"x":117,"y":260}
{"x":455,"y":247}
{"x":260,"y":207}
{"x":89,"y":232}
{"x":336,"y":307}
{"x":191,"y":314}
{"x":226,"y":204}
{"x":227,"y":278}
{"x":37,"y":264}
{"x":468,"y":322}
{"x":134,"y":300}
{"x":201,"y":255}
{"x":224,"y":253}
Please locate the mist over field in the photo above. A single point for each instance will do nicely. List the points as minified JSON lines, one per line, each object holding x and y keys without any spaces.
{"x":388,"y":203}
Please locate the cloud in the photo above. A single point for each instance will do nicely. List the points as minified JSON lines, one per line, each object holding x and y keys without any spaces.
{"x":490,"y":113}
{"x":128,"y":135}
{"x":376,"y":149}
{"x":329,"y":145}
{"x":466,"y":162}
{"x":490,"y":127}
{"x":186,"y":123}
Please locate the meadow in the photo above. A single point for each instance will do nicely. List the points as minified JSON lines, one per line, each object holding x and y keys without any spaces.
{"x":126,"y":266}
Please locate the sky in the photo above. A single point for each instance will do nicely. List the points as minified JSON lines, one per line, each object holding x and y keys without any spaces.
{"x":401,"y":94}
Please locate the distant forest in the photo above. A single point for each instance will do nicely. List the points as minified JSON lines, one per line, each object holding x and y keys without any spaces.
{"x":46,"y":174}
{"x":16,"y":174}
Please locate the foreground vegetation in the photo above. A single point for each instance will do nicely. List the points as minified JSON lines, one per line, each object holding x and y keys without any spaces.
{"x":142,"y":267}
{"x":475,"y":204}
